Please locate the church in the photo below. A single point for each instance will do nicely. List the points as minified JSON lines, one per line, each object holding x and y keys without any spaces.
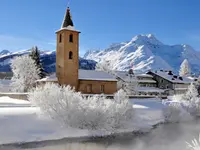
{"x":67,"y":64}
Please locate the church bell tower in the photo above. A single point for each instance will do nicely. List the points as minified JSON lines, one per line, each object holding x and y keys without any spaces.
{"x":67,"y":53}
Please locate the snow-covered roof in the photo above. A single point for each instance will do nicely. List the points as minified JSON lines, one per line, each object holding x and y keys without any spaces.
{"x":85,"y":75}
{"x":149,"y":89}
{"x":95,"y":75}
{"x":172,"y":78}
{"x":146,"y":81}
{"x":193,"y":78}
{"x":71,"y":28}
{"x":51,"y":78}
{"x":144,"y":75}
{"x":123,"y":75}
{"x":181,"y":89}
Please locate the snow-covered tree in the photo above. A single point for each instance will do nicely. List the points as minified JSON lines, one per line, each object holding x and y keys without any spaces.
{"x":183,"y":107}
{"x":35,"y":55}
{"x":172,"y":112}
{"x":192,"y":93}
{"x":25,"y":73}
{"x":129,"y":84}
{"x":72,"y":109}
{"x":184,"y":68}
{"x":105,"y":66}
{"x":192,"y":100}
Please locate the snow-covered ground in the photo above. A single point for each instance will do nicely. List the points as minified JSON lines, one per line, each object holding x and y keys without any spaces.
{"x":21,"y":122}
{"x":5,"y":86}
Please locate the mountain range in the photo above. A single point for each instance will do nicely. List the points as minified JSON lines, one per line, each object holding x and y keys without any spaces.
{"x":141,"y":53}
{"x":146,"y":52}
{"x":48,"y":59}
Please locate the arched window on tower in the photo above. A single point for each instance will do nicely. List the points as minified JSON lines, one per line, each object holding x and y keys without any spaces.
{"x":60,"y":38}
{"x":71,"y":38}
{"x":70,"y":55}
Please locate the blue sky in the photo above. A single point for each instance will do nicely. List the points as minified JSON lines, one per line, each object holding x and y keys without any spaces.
{"x":24,"y":23}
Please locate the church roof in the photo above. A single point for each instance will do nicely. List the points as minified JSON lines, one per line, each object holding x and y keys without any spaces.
{"x":67,"y":23}
{"x":95,"y":75}
{"x":85,"y":75}
{"x":67,"y":19}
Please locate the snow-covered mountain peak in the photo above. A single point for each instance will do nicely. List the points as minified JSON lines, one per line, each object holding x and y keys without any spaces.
{"x":150,"y":36}
{"x":144,"y":52}
{"x":187,"y":47}
{"x":146,"y":39}
{"x":4,"y":52}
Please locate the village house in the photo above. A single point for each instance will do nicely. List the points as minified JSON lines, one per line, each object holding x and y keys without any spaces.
{"x":67,"y":64}
{"x":146,"y":85}
{"x":173,"y":83}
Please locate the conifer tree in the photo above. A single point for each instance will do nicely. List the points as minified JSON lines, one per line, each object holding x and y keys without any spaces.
{"x":184,"y":68}
{"x":35,"y":55}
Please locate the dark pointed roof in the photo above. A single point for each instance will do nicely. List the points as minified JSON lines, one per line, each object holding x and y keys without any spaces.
{"x":67,"y":20}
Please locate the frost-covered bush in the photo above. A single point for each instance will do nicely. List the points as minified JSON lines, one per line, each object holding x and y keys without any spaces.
{"x":194,"y":145}
{"x":25,"y":73}
{"x":176,"y":110}
{"x":105,"y":66}
{"x":191,"y":101}
{"x":183,"y":107}
{"x":130,"y":85}
{"x":74,"y":110}
{"x":177,"y":97}
{"x":172,"y":112}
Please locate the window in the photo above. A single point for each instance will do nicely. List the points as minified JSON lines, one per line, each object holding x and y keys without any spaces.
{"x":89,"y":88}
{"x":70,"y":55}
{"x":71,"y":38}
{"x":102,"y":88}
{"x":60,"y":38}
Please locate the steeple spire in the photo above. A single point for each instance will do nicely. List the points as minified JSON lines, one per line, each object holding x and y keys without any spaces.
{"x":67,"y":20}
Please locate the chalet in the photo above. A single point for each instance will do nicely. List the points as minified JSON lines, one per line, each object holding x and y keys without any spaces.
{"x":168,"y":80}
{"x":146,"y":84}
{"x":144,"y":80}
{"x":67,"y":64}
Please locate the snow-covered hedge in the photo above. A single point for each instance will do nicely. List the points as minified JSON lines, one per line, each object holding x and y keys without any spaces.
{"x":74,"y":110}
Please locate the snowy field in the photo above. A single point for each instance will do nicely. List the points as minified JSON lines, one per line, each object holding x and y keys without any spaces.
{"x":21,"y":122}
{"x":5,"y":86}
